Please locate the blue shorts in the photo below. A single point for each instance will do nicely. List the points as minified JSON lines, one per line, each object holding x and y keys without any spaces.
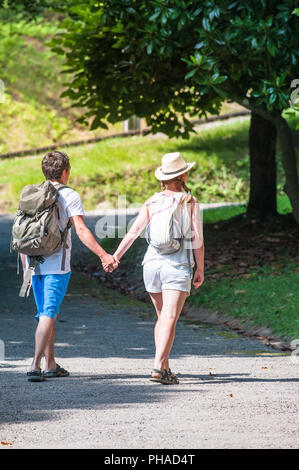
{"x":49,"y":291}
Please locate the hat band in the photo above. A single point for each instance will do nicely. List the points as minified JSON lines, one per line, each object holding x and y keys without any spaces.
{"x":176,"y":171}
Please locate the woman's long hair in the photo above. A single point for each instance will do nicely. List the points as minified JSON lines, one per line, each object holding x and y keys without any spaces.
{"x":179,"y":179}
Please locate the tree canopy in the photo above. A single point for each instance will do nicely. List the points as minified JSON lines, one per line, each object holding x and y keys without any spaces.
{"x":173,"y":59}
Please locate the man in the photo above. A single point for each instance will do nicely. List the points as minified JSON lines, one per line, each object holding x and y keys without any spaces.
{"x":49,"y":282}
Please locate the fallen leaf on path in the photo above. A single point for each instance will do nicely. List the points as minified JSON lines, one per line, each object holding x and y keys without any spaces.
{"x":265,"y":368}
{"x":6,"y":443}
{"x":230,"y":394}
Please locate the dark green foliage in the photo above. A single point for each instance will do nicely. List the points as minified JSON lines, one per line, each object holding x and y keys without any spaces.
{"x":168,"y":61}
{"x":27,"y":8}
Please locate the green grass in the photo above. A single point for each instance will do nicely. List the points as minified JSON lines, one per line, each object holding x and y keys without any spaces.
{"x":211,"y":216}
{"x":103,"y":171}
{"x":268,"y":298}
{"x":214,"y":215}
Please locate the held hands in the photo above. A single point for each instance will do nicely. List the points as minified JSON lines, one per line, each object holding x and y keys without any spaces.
{"x":109,"y":263}
{"x":198,"y":278}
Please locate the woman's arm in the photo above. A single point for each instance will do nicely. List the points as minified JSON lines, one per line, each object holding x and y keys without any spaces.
{"x":134,"y":232}
{"x":197,"y":243}
{"x":198,"y":277}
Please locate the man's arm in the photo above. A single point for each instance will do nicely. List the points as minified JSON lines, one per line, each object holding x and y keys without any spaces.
{"x":89,"y":240}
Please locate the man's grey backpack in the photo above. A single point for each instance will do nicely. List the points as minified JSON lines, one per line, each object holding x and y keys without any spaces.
{"x":35,"y":230}
{"x":169,"y":224}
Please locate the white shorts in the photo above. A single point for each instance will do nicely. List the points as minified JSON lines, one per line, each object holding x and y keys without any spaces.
{"x":159,"y":276}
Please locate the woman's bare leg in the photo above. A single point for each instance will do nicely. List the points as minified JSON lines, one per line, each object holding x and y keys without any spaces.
{"x":172,"y":305}
{"x":157,"y":301}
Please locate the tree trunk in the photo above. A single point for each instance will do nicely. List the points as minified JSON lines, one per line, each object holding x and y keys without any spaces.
{"x":287,"y":148}
{"x":262,"y":144}
{"x":289,"y":161}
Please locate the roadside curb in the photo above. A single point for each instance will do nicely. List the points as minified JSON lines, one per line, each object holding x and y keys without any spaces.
{"x":243,"y":327}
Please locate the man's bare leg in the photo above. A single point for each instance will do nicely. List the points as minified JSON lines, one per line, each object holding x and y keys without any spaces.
{"x":44,"y":343}
{"x":49,"y":351}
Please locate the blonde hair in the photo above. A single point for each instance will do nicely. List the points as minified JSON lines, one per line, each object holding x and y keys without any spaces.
{"x":179,"y":179}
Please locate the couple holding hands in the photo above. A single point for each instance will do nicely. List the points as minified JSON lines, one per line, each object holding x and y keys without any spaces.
{"x":172,"y":222}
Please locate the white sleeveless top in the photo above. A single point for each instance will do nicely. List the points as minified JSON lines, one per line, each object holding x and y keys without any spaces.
{"x":182,"y":257}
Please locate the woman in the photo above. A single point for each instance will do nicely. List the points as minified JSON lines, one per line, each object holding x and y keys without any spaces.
{"x":168,"y":277}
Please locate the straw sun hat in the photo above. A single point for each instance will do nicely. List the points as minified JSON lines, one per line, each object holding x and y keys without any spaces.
{"x":172,"y":165}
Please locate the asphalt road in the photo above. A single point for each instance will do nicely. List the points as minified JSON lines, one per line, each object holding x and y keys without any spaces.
{"x":234,"y":392}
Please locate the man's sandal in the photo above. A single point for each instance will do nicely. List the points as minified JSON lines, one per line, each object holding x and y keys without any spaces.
{"x":58,"y":372}
{"x":165,"y":377}
{"x":35,"y":376}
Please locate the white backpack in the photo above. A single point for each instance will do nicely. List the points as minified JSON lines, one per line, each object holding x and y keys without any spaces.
{"x":170,"y":222}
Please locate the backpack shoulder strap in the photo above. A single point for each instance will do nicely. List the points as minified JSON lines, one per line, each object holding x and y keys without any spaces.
{"x":26,"y":286}
{"x":64,"y":240}
{"x":59,"y":187}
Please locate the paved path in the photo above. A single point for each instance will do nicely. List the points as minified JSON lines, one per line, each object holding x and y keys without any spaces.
{"x":234,"y":391}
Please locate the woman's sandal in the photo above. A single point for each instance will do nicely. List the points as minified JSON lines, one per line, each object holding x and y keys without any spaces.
{"x":173,"y":377}
{"x":166,"y":377}
{"x":163,"y":376}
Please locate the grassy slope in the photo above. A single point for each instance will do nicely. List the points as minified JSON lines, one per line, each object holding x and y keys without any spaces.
{"x":103,"y":171}
{"x":33,"y":114}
